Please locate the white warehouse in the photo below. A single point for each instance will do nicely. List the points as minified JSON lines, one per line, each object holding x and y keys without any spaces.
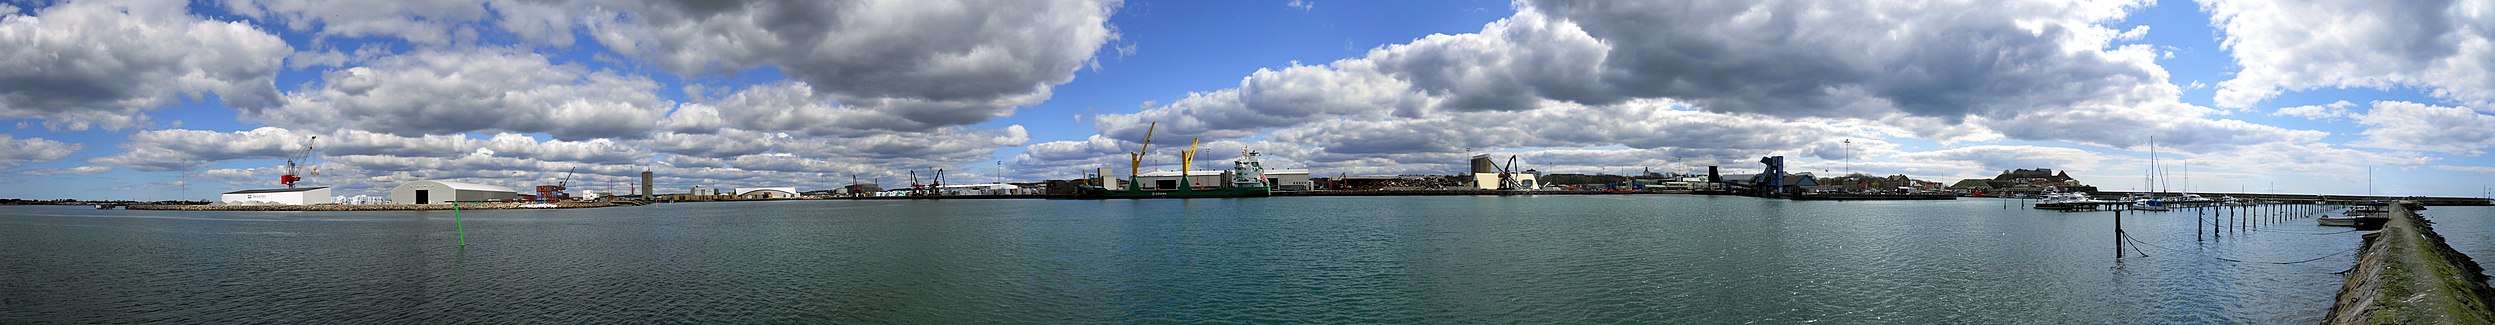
{"x":278,"y":196}
{"x":433,"y":192}
{"x":766,"y":192}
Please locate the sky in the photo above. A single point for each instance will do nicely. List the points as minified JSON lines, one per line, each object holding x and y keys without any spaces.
{"x":154,"y":99}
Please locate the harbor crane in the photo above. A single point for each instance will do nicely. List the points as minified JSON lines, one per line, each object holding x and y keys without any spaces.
{"x":1135,"y":161}
{"x":295,"y":162}
{"x":1507,"y":174}
{"x":554,"y":193}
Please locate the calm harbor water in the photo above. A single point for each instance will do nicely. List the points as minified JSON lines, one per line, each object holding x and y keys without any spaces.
{"x":1546,"y":259}
{"x":2470,"y":230}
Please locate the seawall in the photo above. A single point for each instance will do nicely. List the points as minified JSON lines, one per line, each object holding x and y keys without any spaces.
{"x":2405,"y":274}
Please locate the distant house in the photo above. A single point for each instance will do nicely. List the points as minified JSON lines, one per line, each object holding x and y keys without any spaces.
{"x":2023,"y":181}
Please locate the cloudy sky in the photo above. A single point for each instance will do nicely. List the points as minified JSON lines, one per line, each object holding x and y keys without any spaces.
{"x":154,"y":99}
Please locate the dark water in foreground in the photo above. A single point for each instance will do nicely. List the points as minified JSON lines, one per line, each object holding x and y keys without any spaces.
{"x":1549,"y":259}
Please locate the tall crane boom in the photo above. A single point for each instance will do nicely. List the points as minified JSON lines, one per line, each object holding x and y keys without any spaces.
{"x":554,"y":193}
{"x":1135,"y":161}
{"x":295,"y":161}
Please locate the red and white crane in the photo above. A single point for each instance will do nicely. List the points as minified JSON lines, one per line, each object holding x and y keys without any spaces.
{"x":295,"y":162}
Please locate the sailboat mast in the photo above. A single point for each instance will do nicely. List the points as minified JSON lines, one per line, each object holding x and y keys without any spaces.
{"x":2152,"y":165}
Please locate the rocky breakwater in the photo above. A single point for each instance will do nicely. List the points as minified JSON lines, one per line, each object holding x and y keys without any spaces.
{"x":2405,"y":274}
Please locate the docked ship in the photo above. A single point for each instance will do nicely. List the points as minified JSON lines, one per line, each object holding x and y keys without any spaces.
{"x":1246,"y":178}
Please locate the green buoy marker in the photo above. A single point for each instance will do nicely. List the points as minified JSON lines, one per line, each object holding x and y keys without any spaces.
{"x":462,"y":226}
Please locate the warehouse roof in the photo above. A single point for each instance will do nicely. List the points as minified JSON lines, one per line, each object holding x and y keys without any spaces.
{"x":469,"y":186}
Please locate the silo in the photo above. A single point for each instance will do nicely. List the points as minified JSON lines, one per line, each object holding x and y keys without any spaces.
{"x":645,"y":185}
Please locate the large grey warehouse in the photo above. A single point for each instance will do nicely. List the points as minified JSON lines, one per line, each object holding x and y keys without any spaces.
{"x":431,"y":192}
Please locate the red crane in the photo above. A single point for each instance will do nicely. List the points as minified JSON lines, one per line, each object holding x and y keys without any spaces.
{"x":294,"y":164}
{"x":554,"y":193}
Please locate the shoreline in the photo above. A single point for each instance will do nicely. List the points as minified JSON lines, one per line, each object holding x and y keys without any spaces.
{"x":370,"y":207}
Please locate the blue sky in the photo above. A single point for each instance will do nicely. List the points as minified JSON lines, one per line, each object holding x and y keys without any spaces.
{"x":171,"y":99}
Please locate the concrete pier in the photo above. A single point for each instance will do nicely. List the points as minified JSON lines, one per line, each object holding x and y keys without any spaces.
{"x":2405,"y":274}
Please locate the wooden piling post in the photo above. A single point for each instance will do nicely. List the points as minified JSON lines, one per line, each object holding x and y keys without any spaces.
{"x":2117,"y":235}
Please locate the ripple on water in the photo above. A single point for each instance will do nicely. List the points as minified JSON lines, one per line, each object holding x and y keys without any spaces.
{"x":1542,"y":259}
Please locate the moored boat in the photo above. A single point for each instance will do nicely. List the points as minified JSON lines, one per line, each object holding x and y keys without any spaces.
{"x":2361,"y":217}
{"x":1246,"y":178}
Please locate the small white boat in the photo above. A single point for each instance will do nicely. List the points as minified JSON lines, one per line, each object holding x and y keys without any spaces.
{"x":2063,"y":198}
{"x":2149,"y":205}
{"x":2361,"y":217}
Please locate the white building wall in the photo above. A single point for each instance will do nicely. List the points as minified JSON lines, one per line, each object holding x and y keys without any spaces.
{"x":1490,"y":181}
{"x":314,"y":196}
{"x":438,"y":192}
{"x":766,"y":192}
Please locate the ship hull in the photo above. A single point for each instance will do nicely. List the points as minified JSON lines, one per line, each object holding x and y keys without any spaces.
{"x":1096,"y":193}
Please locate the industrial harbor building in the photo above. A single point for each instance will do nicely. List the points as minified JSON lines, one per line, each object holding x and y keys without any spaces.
{"x":433,"y":192}
{"x":766,"y":192}
{"x":278,"y":196}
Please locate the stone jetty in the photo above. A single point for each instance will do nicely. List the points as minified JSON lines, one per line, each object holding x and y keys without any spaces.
{"x":2405,"y":274}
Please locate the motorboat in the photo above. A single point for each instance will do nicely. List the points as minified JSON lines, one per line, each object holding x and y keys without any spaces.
{"x":2065,"y":198}
{"x":2149,"y":204}
{"x":2361,"y":217}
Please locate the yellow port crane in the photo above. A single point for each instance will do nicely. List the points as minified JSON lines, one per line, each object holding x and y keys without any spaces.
{"x":1186,"y":164}
{"x":1135,"y":161}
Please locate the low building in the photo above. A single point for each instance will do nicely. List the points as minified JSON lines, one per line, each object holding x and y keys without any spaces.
{"x":434,"y":192}
{"x":1524,"y":181}
{"x":1168,"y":179}
{"x":1289,"y":180}
{"x":984,"y":189}
{"x":766,"y":192}
{"x":278,"y":196}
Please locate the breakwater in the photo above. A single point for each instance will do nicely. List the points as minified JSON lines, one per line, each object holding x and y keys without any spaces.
{"x":2406,"y":274}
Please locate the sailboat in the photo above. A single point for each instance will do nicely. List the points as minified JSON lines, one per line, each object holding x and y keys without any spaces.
{"x":2148,"y":202}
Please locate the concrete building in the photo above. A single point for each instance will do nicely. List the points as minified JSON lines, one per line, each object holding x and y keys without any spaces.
{"x":1289,"y":180}
{"x":1524,"y":181}
{"x":433,"y":192}
{"x":766,"y":192}
{"x":278,"y":196}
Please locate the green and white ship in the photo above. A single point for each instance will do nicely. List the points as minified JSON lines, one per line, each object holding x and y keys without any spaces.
{"x":1246,"y":178}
